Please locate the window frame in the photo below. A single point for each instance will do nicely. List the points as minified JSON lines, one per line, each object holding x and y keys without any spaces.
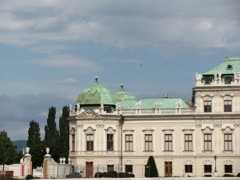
{"x":207,"y":168}
{"x":188,"y":168}
{"x":207,"y":105}
{"x":228,"y":167}
{"x":148,"y":142}
{"x":228,"y":142}
{"x":129,"y":168}
{"x":227,"y":105}
{"x":207,"y":141}
{"x":188,"y":142}
{"x":110,"y":142}
{"x":168,"y":142}
{"x":89,"y":142}
{"x":128,"y":142}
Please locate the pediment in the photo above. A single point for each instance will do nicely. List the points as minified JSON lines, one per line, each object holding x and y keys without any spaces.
{"x":89,"y":114}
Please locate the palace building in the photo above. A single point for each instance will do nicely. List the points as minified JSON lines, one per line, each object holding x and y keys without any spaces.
{"x":116,"y":131}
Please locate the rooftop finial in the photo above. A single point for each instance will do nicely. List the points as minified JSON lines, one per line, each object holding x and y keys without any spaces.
{"x":121,"y":87}
{"x":96,"y":79}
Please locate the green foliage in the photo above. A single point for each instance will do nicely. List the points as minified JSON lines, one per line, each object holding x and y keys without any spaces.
{"x":64,"y":133}
{"x":98,"y":175}
{"x":8,"y":151}
{"x":29,"y":176}
{"x":238,"y":175}
{"x":151,"y":168}
{"x":52,"y":134}
{"x":228,"y":175}
{"x":35,"y":144}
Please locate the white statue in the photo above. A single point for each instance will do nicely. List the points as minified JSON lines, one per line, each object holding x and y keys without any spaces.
{"x":70,"y":108}
{"x":138,"y":105}
{"x":47,"y":150}
{"x":198,"y":77}
{"x":27,"y":150}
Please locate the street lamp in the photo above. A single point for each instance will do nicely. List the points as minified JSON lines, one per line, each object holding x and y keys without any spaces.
{"x":215,"y":158}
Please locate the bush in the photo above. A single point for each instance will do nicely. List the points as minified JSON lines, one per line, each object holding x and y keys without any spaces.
{"x":98,"y":175}
{"x":29,"y":176}
{"x":238,"y":175}
{"x":5,"y":177}
{"x":228,"y":175}
{"x":112,"y":174}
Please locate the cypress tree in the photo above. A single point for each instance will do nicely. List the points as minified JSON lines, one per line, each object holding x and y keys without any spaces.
{"x":35,"y":144}
{"x":64,"y":132}
{"x":52,"y":134}
{"x":150,"y":168}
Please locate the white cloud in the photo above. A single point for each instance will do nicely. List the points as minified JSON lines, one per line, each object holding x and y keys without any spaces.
{"x":123,"y":24}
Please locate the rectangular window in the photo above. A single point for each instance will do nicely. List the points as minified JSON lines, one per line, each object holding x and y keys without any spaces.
{"x":128,"y":142}
{"x":168,"y":142}
{"x":228,"y":168}
{"x":188,"y":144}
{"x":89,"y":142}
{"x":208,"y":106}
{"x":188,"y":168}
{"x":227,"y":142}
{"x":207,"y":142}
{"x":73,"y":142}
{"x":227,"y":106}
{"x":128,"y":168}
{"x":109,"y":142}
{"x":148,"y":142}
{"x":110,"y":168}
{"x":207,"y":168}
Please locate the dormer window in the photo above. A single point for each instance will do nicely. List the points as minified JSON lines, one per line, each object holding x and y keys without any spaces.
{"x":208,"y":80}
{"x":228,"y":79}
{"x":229,"y":67}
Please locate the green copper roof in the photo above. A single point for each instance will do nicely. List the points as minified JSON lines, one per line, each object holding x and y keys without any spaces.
{"x":163,"y":103}
{"x":96,"y":94}
{"x":123,"y":95}
{"x":230,"y":66}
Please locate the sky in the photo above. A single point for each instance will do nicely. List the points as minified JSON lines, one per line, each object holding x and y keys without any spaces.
{"x":50,"y":50}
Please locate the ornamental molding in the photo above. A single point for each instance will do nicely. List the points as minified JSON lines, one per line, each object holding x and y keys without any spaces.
{"x":237,"y":125}
{"x":128,"y":131}
{"x":227,"y":130}
{"x":188,"y":162}
{"x":207,"y":130}
{"x":89,"y":130}
{"x":89,"y":114}
{"x":168,"y":131}
{"x":217,"y":125}
{"x":110,"y":130}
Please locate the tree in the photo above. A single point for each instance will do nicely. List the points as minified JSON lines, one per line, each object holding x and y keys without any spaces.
{"x":35,"y":144}
{"x":150,"y":168}
{"x":52,"y":134}
{"x":64,"y":132}
{"x":8,"y":151}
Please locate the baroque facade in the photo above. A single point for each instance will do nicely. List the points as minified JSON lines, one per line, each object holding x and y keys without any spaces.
{"x":115,"y":131}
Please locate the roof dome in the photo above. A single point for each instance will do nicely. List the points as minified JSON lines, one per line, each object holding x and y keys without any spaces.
{"x":124,"y":96}
{"x":96,"y":94}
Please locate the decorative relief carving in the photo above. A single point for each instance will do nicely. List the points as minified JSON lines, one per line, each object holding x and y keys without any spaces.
{"x":217,"y":125}
{"x":198,"y":125}
{"x":236,"y":125}
{"x":128,"y":131}
{"x":89,"y":114}
{"x":110,"y":130}
{"x":227,"y":129}
{"x":207,"y":130}
{"x":99,"y":125}
{"x":89,"y":130}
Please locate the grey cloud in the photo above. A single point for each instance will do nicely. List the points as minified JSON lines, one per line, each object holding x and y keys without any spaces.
{"x":17,"y":112}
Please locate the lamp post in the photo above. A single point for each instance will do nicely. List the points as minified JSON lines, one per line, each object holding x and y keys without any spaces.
{"x":215,"y":171}
{"x":215,"y":158}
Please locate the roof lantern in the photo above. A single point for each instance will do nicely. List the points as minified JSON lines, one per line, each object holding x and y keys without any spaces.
{"x":123,"y":95}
